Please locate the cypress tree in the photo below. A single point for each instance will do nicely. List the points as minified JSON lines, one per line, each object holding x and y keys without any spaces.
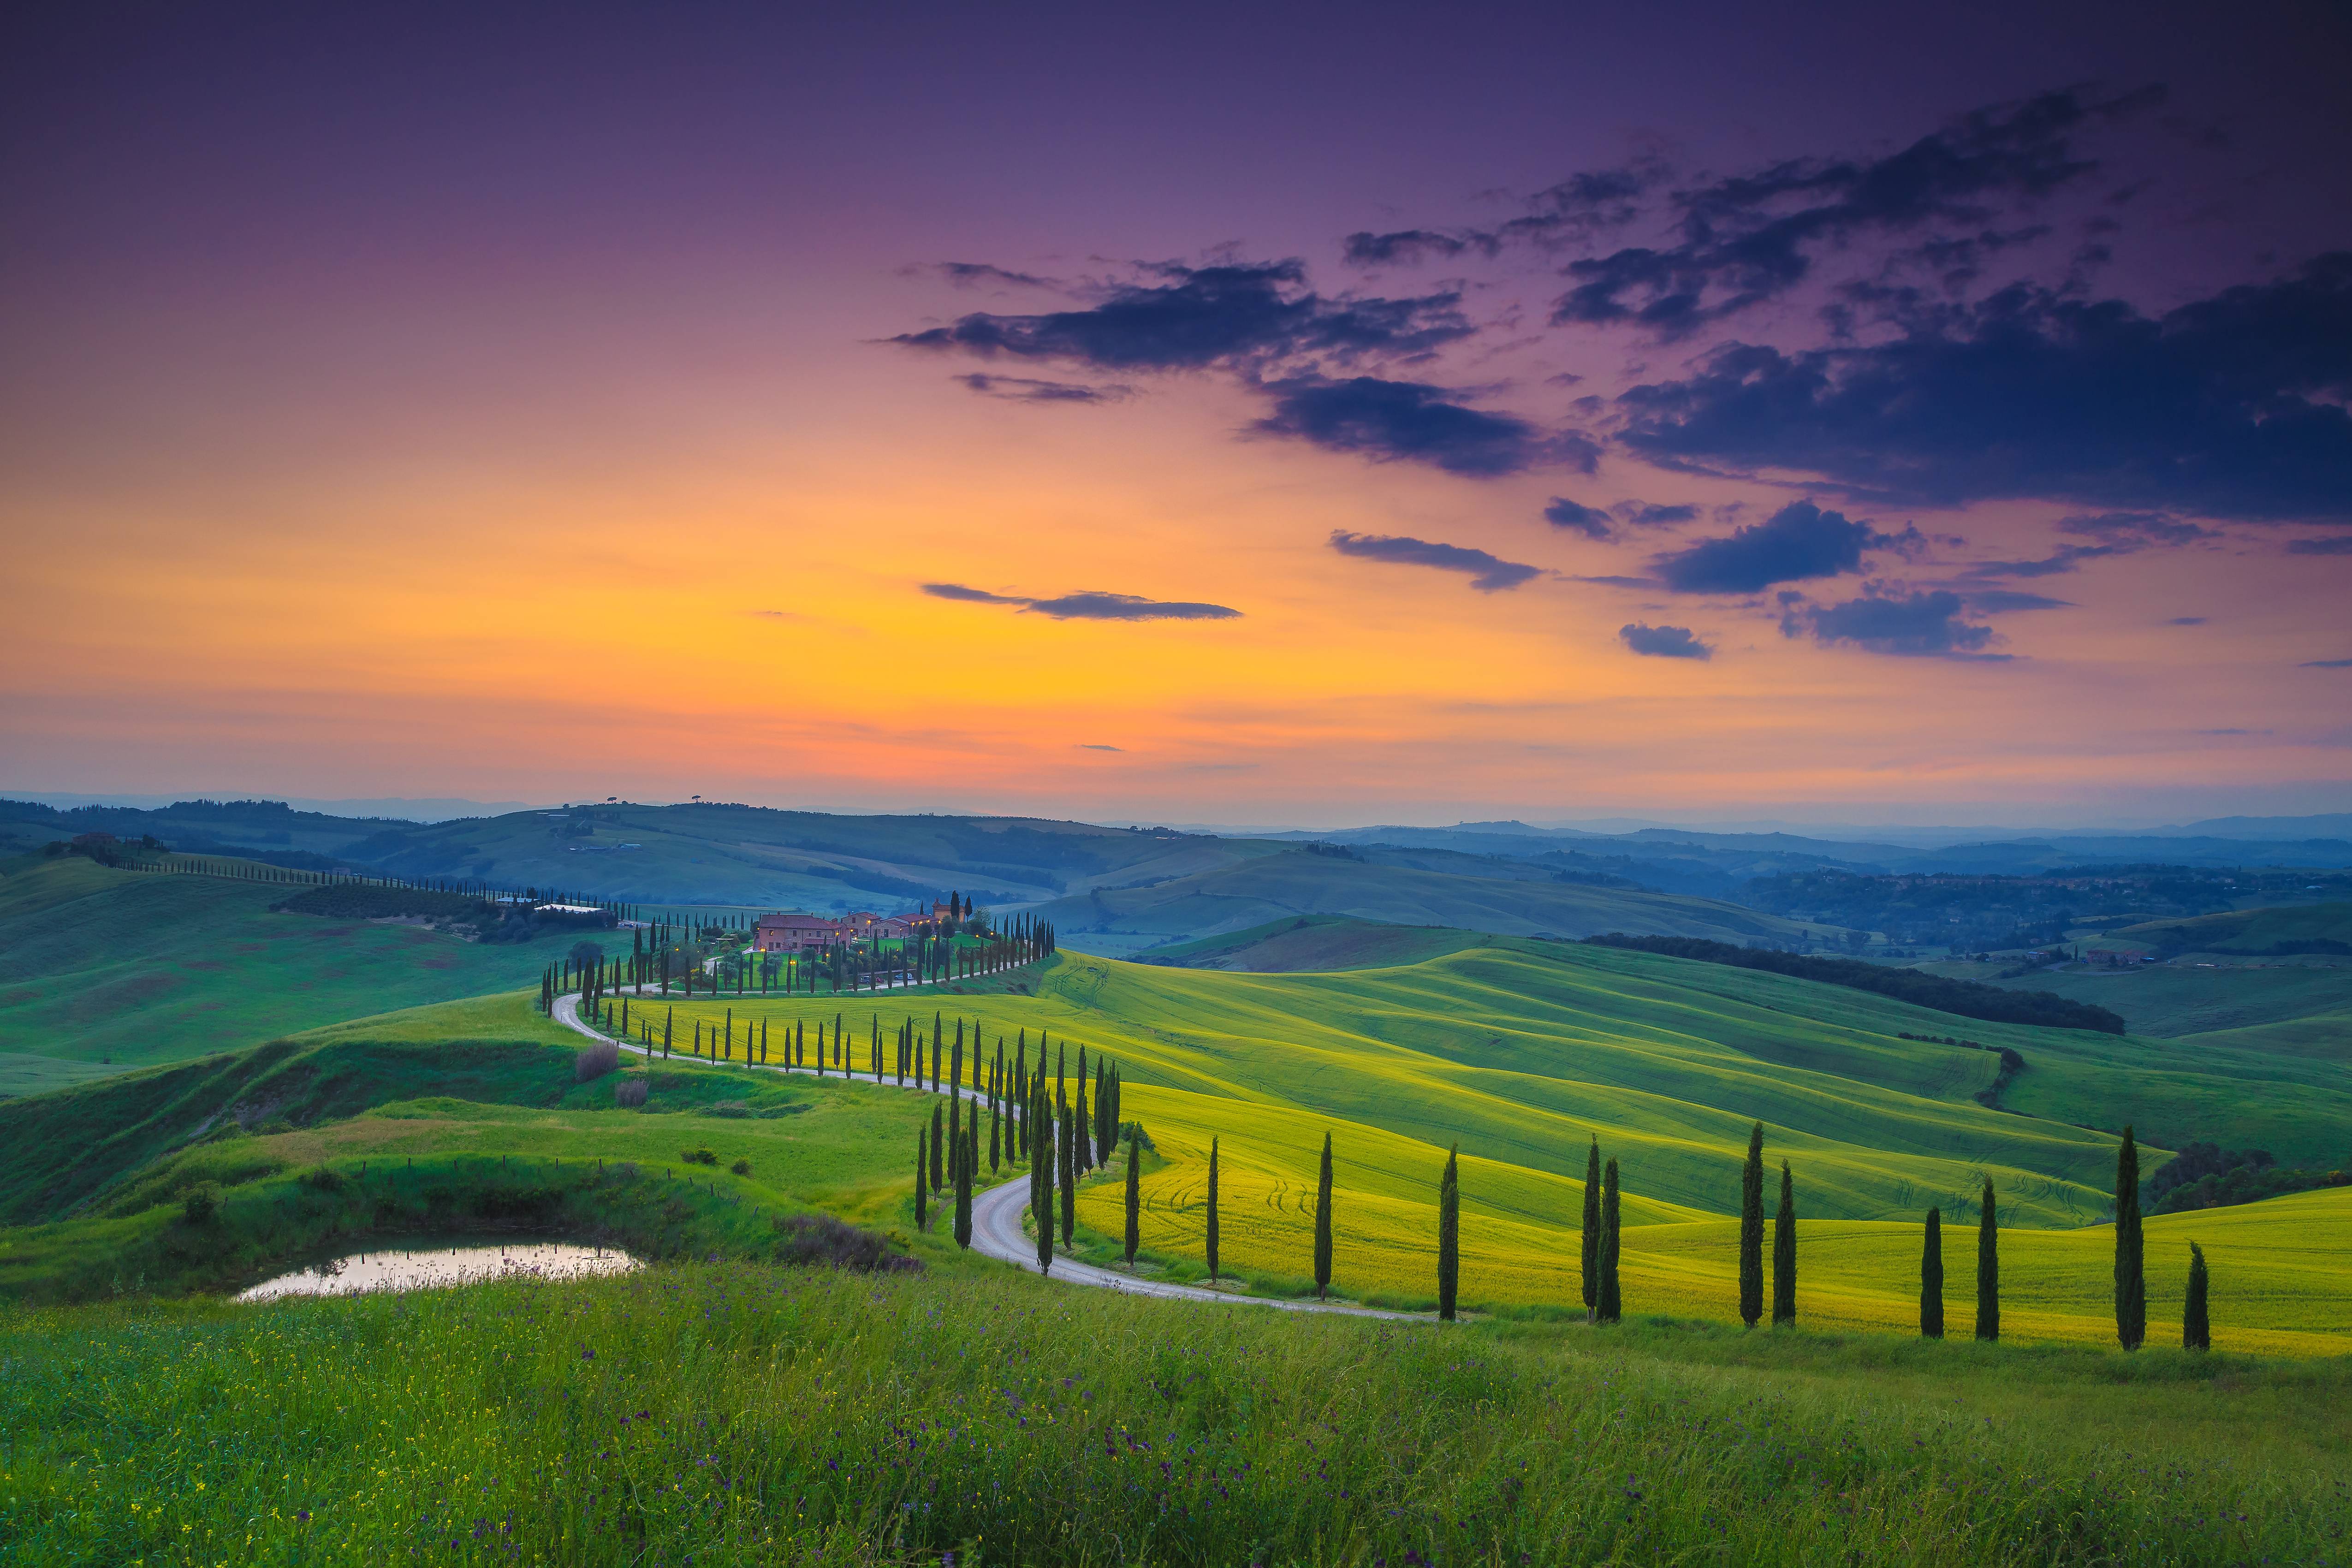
{"x":1987,"y":1267}
{"x":1589,"y":1249}
{"x":2195,"y":1328}
{"x":1449,"y":1234}
{"x":994,"y":1118}
{"x":1751,"y":1229}
{"x":2131,"y":1278}
{"x":939,"y":1174}
{"x":1083,"y":1122}
{"x":1323,"y":1222}
{"x":1040,"y":1177}
{"x":922,"y":1195}
{"x":964,"y":1192}
{"x":1784,"y":1252}
{"x":1067,"y":1129}
{"x":1611,"y":1304}
{"x":1931,"y":1278}
{"x":1212,"y":1210}
{"x":1134,"y":1190}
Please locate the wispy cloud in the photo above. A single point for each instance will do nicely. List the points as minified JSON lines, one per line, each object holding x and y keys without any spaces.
{"x":1488,"y":574}
{"x":1089,"y":605}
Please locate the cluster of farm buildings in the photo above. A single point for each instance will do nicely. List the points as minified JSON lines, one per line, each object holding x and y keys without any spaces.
{"x":800,"y":933}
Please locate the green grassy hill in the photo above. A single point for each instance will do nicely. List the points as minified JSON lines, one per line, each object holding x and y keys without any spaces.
{"x":102,"y":970}
{"x":2278,"y":931}
{"x":1305,"y":942}
{"x":1303,"y":881}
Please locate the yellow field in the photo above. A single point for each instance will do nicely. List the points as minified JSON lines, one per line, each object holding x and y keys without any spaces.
{"x":2282,"y":1270}
{"x":1520,"y":1057}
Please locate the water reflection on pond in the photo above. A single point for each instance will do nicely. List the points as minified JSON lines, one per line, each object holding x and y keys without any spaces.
{"x":426,"y":1268}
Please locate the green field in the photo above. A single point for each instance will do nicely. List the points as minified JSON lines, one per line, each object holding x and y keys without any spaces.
{"x":736,"y":1415}
{"x":2275,"y":931}
{"x":103,"y":969}
{"x":1233,"y":898}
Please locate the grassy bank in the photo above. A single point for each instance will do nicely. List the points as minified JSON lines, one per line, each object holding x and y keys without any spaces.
{"x":731,"y":1414}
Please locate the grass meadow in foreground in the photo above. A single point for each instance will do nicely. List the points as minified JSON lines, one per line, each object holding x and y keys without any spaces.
{"x":730,"y":1414}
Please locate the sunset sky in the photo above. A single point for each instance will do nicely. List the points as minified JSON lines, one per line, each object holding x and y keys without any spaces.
{"x":1348,"y":414}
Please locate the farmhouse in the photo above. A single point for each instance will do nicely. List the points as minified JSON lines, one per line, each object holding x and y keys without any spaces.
{"x":794,"y":933}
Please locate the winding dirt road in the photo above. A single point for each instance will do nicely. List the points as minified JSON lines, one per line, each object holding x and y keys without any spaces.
{"x":996,"y":1218}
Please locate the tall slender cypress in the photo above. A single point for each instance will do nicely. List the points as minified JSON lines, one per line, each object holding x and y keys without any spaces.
{"x":938,"y":1172}
{"x":1784,"y":1251}
{"x":1040,"y":1177}
{"x":1931,"y":1278}
{"x":1988,"y":1266}
{"x":922,"y":1185}
{"x":1134,"y":1190}
{"x":2195,"y":1328}
{"x":964,"y":1153}
{"x":1083,"y":1118}
{"x":1067,"y":1175}
{"x":1449,"y":1234}
{"x":1323,"y":1222}
{"x":2131,"y":1277}
{"x":994,"y":1117}
{"x":1212,"y":1210}
{"x":1751,"y":1229}
{"x":1611,"y":1305}
{"x":1588,"y":1247}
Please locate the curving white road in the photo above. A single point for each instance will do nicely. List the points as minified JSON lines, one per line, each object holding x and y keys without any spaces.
{"x":996,"y":1217}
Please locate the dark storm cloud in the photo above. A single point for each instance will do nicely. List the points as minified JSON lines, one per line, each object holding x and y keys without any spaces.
{"x":1589,"y":520}
{"x":1487,"y":573}
{"x":1751,"y":237}
{"x":1644,"y":514}
{"x":1411,"y":421}
{"x":1798,"y":542}
{"x":1914,"y":624}
{"x":1664,"y":642}
{"x":2229,"y":407}
{"x":2339,"y":546}
{"x":2326,"y":664}
{"x":1090,"y":605}
{"x":1576,"y":208}
{"x":1026,"y":389}
{"x":1189,"y":318}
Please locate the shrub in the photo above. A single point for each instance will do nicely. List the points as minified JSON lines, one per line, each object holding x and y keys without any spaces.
{"x":320,"y":1179}
{"x":629,"y":1094}
{"x":199,"y":1203}
{"x":819,"y":1239}
{"x":699,"y":1157}
{"x":596,"y":1060}
{"x":742,"y":1167}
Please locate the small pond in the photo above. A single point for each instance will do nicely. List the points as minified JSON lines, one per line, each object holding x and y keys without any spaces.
{"x":424,"y":1266}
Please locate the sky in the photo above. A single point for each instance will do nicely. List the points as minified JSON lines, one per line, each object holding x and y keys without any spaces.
{"x":1304,"y":414}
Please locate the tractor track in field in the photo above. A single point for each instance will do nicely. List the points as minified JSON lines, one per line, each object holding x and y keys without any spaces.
{"x":996,"y":1214}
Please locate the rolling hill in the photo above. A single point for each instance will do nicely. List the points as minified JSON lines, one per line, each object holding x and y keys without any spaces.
{"x":1312,"y":881}
{"x":102,"y":968}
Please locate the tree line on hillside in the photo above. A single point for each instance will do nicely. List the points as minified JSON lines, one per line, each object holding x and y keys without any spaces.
{"x":1967,"y":999}
{"x":2207,"y":1176}
{"x":716,"y":958}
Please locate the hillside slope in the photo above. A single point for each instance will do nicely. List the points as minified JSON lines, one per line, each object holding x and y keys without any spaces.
{"x":751,"y":855}
{"x":1305,"y":881}
{"x":101,"y":969}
